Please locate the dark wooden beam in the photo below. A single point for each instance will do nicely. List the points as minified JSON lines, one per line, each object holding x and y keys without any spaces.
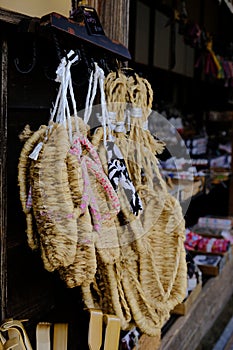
{"x":3,"y":176}
{"x":11,"y":17}
{"x":151,"y":38}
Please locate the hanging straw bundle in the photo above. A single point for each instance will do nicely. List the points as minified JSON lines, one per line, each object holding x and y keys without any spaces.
{"x":129,"y":262}
{"x":162,"y":218}
{"x":56,"y":186}
{"x":24,"y":165}
{"x":84,"y":264}
{"x":52,"y":202}
{"x":150,"y":278}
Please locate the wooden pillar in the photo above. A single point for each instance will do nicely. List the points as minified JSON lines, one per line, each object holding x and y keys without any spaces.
{"x":3,"y":176}
{"x":114,"y":17}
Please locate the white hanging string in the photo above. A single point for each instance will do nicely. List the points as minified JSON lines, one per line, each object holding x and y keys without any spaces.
{"x":68,"y":81}
{"x":96,"y":78}
{"x":103,"y":102}
{"x":59,"y":78}
{"x":86,"y":111}
{"x":61,"y":107}
{"x":90,"y":96}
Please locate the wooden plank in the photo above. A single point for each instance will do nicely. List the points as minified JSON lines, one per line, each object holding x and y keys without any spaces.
{"x":3,"y":176}
{"x":183,"y":308}
{"x":114,"y":17}
{"x":11,"y":16}
{"x":226,"y":338}
{"x":149,"y":343}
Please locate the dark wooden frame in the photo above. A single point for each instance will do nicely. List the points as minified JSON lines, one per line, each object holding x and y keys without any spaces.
{"x":7,"y":17}
{"x":3,"y":175}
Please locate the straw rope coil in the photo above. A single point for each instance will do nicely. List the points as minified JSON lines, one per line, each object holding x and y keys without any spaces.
{"x":152,"y":266}
{"x":24,"y":165}
{"x":132,"y":266}
{"x":52,"y":202}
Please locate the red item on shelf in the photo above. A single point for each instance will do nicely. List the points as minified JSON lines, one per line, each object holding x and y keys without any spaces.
{"x":195,"y":241}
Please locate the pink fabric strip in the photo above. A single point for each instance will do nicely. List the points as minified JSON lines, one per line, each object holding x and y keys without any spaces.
{"x":94,"y":165}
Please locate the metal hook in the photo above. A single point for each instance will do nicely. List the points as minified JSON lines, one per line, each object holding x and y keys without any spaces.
{"x":31,"y":65}
{"x":103,"y":63}
{"x":88,"y":62}
{"x":57,"y":46}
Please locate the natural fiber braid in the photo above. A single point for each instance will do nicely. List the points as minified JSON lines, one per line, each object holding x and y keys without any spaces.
{"x":125,"y":306}
{"x":173,"y":265}
{"x":135,"y":97}
{"x":108,"y":262}
{"x":150,"y":93}
{"x":24,"y":163}
{"x":75,"y":180}
{"x":147,"y":305}
{"x":140,"y":316}
{"x":52,"y":202}
{"x":115,"y":297}
{"x":87,"y":295}
{"x":148,"y":141}
{"x":84,"y":266}
{"x":140,"y":96}
{"x":151,"y":311}
{"x":26,"y":133}
{"x":24,"y":180}
{"x":104,"y":297}
{"x":115,"y":91}
{"x":136,"y":277}
{"x":144,"y":313}
{"x":148,"y":170}
{"x":136,"y":151}
{"x":107,"y":250}
{"x":110,"y":300}
{"x":118,"y":287}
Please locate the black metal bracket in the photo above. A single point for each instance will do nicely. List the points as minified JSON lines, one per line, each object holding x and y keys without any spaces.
{"x":80,"y":31}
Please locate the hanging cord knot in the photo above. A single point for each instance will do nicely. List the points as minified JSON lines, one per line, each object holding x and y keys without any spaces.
{"x":120,"y":126}
{"x":61,"y":107}
{"x":97,"y":79}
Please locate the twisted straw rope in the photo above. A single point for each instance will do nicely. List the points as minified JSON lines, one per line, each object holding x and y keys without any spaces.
{"x":151,"y":308}
{"x":24,"y":165}
{"x":52,"y":202}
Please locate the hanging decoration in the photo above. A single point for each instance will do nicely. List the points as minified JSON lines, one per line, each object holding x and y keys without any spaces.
{"x":127,"y":285}
{"x":212,"y":64}
{"x":96,"y":205}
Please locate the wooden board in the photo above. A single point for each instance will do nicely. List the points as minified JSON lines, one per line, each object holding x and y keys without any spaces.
{"x":183,"y":308}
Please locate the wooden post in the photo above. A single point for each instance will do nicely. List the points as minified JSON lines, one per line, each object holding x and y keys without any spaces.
{"x":3,"y":176}
{"x":114,"y":17}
